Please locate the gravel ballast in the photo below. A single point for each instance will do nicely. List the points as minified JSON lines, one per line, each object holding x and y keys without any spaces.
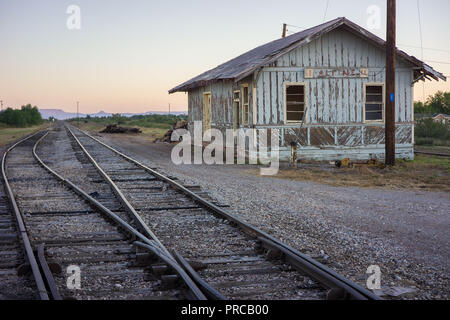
{"x":349,"y":229}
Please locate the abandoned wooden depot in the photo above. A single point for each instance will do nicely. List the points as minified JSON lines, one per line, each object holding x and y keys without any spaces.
{"x":323,"y":88}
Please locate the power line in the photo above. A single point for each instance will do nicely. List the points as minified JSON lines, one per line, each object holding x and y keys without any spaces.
{"x":441,"y":62}
{"x":291,"y":25}
{"x":400,"y":44}
{"x":326,"y":10}
{"x":421,"y":40}
{"x":418,"y":47}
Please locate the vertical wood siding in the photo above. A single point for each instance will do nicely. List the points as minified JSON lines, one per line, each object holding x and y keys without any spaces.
{"x":335,"y":106}
{"x":330,"y":101}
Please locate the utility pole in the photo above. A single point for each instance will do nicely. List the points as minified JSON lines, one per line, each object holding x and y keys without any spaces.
{"x":169,"y":109}
{"x":283,"y":35}
{"x":78,"y":113}
{"x":390,"y":83}
{"x":1,"y":102}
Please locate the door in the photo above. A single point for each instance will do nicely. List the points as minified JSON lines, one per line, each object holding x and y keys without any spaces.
{"x":206,"y":112}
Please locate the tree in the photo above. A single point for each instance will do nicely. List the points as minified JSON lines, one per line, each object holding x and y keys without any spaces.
{"x":419,"y":108}
{"x":438,"y":103}
{"x":26,"y":116}
{"x":118,"y":119}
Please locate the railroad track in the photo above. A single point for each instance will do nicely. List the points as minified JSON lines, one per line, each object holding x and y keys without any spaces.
{"x":65,"y":226}
{"x":15,"y":281}
{"x":137,"y":234}
{"x":445,"y":155}
{"x":234,"y":258}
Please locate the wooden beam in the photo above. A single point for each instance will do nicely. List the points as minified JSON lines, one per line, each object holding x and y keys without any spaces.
{"x":390,"y":82}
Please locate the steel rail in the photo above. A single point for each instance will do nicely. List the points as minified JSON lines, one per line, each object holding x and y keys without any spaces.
{"x":314,"y":269}
{"x":446,"y":155}
{"x":210,"y":291}
{"x":21,"y":226}
{"x":176,"y":266}
{"x":151,"y":245}
{"x":126,"y":204}
{"x":47,"y":273}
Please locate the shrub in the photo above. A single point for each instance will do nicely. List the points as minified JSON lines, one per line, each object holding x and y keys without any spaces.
{"x":424,"y":141}
{"x":427,"y":128}
{"x":26,"y":116}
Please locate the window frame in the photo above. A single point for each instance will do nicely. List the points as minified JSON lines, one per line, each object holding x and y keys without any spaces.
{"x":236,"y":124}
{"x":305,"y":101}
{"x":243,"y":122}
{"x":383,"y":109}
{"x":207,"y":93}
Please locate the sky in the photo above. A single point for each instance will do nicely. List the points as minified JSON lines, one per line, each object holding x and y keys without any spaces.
{"x":128,"y":54}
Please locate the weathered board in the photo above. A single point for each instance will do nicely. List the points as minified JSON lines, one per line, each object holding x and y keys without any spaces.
{"x":341,"y":64}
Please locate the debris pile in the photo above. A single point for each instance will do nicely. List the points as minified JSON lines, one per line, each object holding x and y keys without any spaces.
{"x":182,"y":124}
{"x":114,"y":128}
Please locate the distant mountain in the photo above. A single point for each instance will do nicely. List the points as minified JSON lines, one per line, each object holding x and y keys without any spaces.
{"x":58,"y":114}
{"x":63,"y":115}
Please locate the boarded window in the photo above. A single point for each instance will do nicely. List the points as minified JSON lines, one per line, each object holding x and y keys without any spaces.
{"x":245,"y":105}
{"x":295,"y":103}
{"x":374,"y":103}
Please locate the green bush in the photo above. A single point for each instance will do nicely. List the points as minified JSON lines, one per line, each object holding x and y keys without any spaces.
{"x":424,"y":141}
{"x":427,"y":128}
{"x":159,"y":121}
{"x":26,"y":116}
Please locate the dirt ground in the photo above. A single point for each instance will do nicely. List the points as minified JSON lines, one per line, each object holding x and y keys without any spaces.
{"x":429,"y":173}
{"x":149,"y":134}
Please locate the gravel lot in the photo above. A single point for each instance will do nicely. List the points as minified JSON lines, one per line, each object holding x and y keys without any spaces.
{"x":404,"y":232}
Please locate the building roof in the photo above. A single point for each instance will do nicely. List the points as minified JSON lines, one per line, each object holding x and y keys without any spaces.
{"x":247,"y":63}
{"x":441,"y":114}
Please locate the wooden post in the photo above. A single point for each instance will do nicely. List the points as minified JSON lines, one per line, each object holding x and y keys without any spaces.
{"x":283,"y":35}
{"x":390,"y":82}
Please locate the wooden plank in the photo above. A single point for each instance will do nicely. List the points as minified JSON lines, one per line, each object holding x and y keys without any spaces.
{"x":321,"y":99}
{"x":330,"y":101}
{"x":359,"y":100}
{"x":337,"y":115}
{"x":325,"y":50}
{"x":346,"y":102}
{"x":280,"y":99}
{"x":267,"y":102}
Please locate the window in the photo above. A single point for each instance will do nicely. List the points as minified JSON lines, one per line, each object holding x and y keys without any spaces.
{"x":236,"y":109}
{"x":374,"y":102}
{"x":245,"y":104}
{"x":295,"y":102}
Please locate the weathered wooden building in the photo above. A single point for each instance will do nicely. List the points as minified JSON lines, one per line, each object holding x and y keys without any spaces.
{"x":323,"y":88}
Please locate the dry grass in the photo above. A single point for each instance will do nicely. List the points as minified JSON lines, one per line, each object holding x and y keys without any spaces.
{"x":424,"y":173}
{"x":10,"y":134}
{"x":149,"y":133}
